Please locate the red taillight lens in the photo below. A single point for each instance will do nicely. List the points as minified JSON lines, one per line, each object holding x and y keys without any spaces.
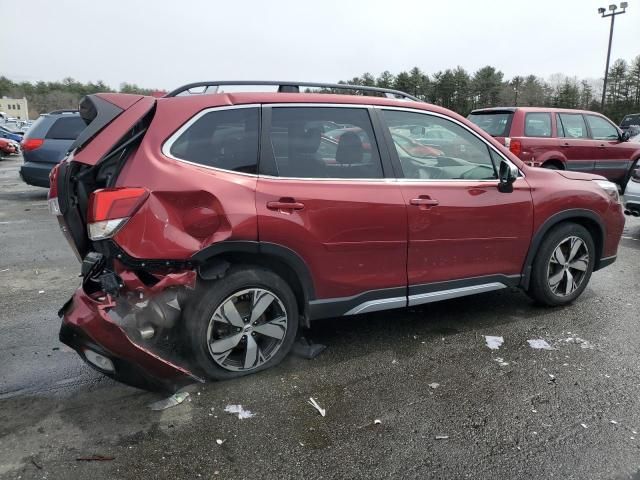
{"x":29,"y":144}
{"x":516,"y":147}
{"x":54,"y":206}
{"x":110,"y":208}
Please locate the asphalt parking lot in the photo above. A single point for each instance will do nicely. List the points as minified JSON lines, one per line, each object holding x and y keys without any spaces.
{"x":408,"y":394}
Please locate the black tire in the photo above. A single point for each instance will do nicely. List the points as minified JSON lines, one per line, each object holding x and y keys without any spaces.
{"x":541,"y":275}
{"x":212,"y":295}
{"x":551,"y":166}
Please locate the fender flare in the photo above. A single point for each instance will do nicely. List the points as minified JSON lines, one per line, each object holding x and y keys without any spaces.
{"x":273,"y":250}
{"x":553,"y":155}
{"x":551,"y":222}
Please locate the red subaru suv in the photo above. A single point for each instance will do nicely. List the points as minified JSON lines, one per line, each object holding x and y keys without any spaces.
{"x":211,"y":227}
{"x":562,"y":139}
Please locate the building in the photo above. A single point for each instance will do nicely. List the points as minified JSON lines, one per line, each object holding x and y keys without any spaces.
{"x":15,"y":108}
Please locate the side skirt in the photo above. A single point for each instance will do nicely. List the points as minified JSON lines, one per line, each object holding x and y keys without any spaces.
{"x":386,"y":299}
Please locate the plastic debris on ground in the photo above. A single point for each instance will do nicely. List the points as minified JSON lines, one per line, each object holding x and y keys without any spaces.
{"x":434,"y":385}
{"x":219,"y":441}
{"x":442,"y":437}
{"x":494,"y":343}
{"x":584,"y":425}
{"x":377,"y":421}
{"x":501,"y":362}
{"x":578,"y":341}
{"x":540,"y":344}
{"x":242,"y":413}
{"x":172,"y":401}
{"x":315,"y":405}
{"x":613,"y":422}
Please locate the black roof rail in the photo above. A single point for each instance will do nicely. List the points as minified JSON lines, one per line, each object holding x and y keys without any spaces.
{"x":287,"y":87}
{"x":56,"y":112}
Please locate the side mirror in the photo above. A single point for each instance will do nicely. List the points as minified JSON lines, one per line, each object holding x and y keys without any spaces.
{"x":626,"y":135}
{"x":507,"y":174}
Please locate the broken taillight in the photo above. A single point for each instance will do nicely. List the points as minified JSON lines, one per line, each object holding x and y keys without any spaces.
{"x":52,"y":199}
{"x":110,"y":208}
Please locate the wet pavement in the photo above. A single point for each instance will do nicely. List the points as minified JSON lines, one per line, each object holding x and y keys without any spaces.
{"x":408,"y":394}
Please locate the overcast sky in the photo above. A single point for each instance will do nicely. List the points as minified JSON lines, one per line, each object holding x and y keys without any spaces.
{"x":165,"y":43}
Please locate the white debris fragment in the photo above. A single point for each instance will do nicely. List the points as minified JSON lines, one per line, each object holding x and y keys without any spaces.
{"x":394,"y":361}
{"x":551,"y":376}
{"x":434,"y":385}
{"x":634,"y":432}
{"x":377,"y":421}
{"x":584,"y":425}
{"x":242,"y":413}
{"x":442,"y":437}
{"x":315,"y":405}
{"x":501,"y":362}
{"x":219,"y":441}
{"x":172,"y":401}
{"x":40,"y":291}
{"x":494,"y":343}
{"x":613,"y":422}
{"x":579,"y":341}
{"x":534,"y":411}
{"x":4,"y":270}
{"x":539,"y":344}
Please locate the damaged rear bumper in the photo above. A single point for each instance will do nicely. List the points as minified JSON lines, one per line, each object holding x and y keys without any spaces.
{"x":90,"y":326}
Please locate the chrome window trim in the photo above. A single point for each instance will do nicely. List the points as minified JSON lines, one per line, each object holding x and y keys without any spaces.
{"x":168,"y":143}
{"x":459,"y":123}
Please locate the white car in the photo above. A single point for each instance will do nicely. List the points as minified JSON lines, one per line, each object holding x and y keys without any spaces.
{"x":631,"y":198}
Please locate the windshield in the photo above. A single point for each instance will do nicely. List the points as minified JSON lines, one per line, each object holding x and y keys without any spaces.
{"x":494,"y":123}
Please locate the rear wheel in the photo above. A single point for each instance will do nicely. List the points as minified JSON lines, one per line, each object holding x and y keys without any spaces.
{"x":563,"y":265}
{"x":243,"y":323}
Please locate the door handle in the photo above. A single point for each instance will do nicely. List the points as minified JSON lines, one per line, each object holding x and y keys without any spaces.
{"x":424,"y":201}
{"x":565,"y":145}
{"x":602,"y":145}
{"x":285,"y":205}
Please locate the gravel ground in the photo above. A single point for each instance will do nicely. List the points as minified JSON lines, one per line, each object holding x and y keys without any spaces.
{"x":408,"y":394}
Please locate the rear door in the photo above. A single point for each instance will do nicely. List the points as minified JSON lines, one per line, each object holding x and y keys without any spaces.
{"x":574,"y":142}
{"x":613,"y":156}
{"x":461,"y":228}
{"x":334,"y":204}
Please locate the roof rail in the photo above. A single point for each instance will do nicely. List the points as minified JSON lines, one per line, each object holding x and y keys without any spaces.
{"x":56,"y":112}
{"x":286,"y":87}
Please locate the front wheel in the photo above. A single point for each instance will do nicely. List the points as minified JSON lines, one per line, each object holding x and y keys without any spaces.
{"x":563,"y":265}
{"x":243,"y":323}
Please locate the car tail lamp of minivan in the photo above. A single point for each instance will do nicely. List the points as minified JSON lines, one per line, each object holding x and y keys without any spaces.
{"x":516,"y":147}
{"x":52,"y":198}
{"x":110,"y":208}
{"x":29,"y":144}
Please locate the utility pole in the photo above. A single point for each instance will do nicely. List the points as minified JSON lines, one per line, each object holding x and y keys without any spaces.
{"x":601,"y":11}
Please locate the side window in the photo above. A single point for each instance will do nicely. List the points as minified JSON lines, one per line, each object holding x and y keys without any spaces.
{"x":573,"y":125}
{"x":537,"y":124}
{"x":324,"y":142}
{"x":431,"y":147}
{"x":601,"y":129}
{"x":226,"y":139}
{"x":66,"y":128}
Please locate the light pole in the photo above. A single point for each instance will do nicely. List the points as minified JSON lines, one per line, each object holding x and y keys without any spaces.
{"x":601,"y":11}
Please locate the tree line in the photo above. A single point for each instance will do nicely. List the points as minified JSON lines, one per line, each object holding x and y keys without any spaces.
{"x":455,"y":89}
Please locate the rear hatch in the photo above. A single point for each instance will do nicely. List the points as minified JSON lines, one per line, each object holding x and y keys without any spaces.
{"x":495,"y":121}
{"x":115,"y":125}
{"x":51,"y":137}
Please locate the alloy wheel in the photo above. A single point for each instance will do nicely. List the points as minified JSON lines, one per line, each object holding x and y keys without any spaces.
{"x":247,"y":329}
{"x":568,"y":266}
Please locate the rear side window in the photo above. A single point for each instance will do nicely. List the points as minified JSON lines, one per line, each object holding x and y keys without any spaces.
{"x":321,"y":142}
{"x":601,"y":129}
{"x":66,"y":128}
{"x":226,"y":139}
{"x":573,"y":126}
{"x":537,"y":124}
{"x":494,"y":123}
{"x":630,"y":120}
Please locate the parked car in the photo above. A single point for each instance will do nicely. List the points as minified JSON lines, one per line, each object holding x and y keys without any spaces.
{"x":631,"y":123}
{"x":211,"y":225}
{"x":631,"y":199}
{"x":9,"y":134}
{"x":8,"y":147}
{"x":46,"y":143}
{"x":562,"y":139}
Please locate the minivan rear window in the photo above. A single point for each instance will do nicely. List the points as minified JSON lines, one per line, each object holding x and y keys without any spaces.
{"x":494,"y":123}
{"x":66,"y":128}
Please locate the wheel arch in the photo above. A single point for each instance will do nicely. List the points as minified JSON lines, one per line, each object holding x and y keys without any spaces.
{"x":214,"y":260}
{"x":588,"y":219}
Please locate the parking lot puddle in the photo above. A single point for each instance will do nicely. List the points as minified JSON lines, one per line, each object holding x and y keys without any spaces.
{"x":494,"y":343}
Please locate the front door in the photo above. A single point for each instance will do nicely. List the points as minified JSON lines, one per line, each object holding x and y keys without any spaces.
{"x":324,"y":193}
{"x":574,"y":142}
{"x":462,"y":230}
